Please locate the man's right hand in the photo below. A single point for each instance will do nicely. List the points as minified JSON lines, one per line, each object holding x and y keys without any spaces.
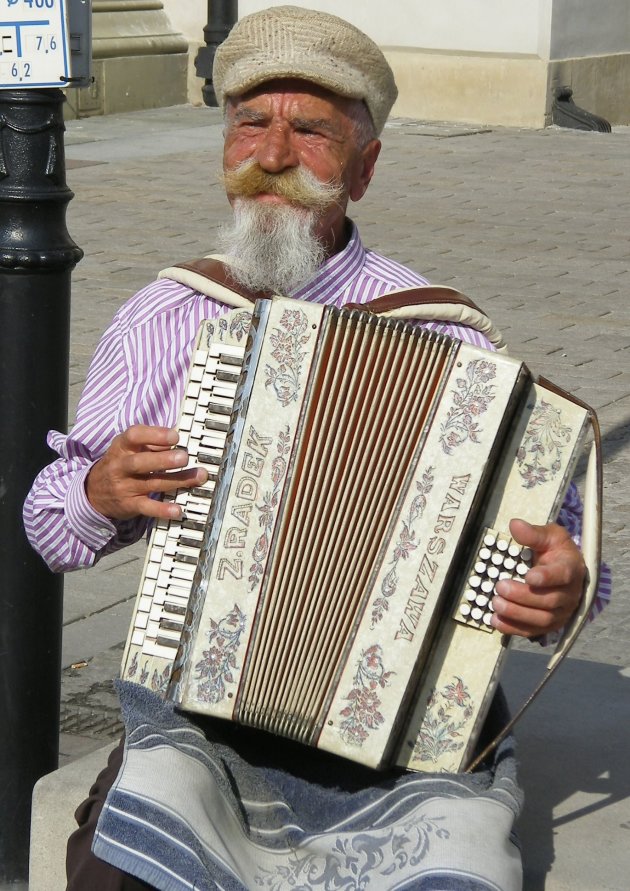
{"x":139,"y":462}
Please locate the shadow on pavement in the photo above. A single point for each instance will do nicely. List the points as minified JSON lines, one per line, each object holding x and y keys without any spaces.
{"x":573,"y":748}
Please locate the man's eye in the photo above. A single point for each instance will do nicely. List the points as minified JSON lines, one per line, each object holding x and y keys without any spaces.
{"x":309,"y":131}
{"x":250,"y":125}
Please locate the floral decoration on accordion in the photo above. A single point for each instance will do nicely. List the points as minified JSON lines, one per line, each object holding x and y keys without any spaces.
{"x":362,"y":714}
{"x":448,"y":712}
{"x":540,"y":455}
{"x":471,"y":399}
{"x":404,"y":547}
{"x":236,"y":324}
{"x":218,"y":665}
{"x":159,"y":679}
{"x":289,"y":355}
{"x":267,"y":510}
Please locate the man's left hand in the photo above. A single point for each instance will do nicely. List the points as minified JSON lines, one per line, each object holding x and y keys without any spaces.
{"x":552,"y":589}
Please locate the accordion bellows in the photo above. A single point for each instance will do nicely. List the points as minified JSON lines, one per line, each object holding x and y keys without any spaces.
{"x":358,"y":524}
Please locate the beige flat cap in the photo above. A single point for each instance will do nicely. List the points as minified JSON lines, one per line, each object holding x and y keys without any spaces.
{"x":288,"y":41}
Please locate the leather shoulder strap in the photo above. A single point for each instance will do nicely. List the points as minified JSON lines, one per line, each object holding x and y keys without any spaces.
{"x":418,"y":296}
{"x":211,"y":276}
{"x":436,"y":303}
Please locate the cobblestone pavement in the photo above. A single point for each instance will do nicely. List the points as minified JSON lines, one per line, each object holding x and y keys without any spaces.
{"x":533,"y":225}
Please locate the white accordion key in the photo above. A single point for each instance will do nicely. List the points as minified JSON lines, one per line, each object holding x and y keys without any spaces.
{"x":227,"y":353}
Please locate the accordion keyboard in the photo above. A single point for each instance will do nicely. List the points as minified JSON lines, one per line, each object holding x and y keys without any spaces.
{"x":175,"y":545}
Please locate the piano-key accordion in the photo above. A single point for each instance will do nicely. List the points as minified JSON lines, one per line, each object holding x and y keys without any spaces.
{"x":332,"y":582}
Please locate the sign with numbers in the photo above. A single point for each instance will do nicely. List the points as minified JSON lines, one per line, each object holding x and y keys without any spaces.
{"x":34,"y":47}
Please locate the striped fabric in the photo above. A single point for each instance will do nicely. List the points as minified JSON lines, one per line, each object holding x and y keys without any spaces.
{"x":137,"y":376}
{"x":202,"y":810}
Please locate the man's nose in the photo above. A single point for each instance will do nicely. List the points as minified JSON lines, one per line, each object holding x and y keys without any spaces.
{"x":275,"y":151}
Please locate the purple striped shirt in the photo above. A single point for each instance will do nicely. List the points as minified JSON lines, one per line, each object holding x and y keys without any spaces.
{"x":137,"y":376}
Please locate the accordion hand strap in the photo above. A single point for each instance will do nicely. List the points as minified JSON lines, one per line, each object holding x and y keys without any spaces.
{"x":592,"y":552}
{"x":211,"y":276}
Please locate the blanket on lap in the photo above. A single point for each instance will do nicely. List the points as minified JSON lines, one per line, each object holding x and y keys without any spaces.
{"x":208,"y":805}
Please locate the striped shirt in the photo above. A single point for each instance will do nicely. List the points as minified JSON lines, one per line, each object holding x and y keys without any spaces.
{"x":137,"y":376}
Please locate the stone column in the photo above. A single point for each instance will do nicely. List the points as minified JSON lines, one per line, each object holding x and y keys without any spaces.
{"x":140,"y":61}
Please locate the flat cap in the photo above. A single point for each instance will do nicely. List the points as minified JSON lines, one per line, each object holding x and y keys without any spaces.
{"x":289,"y":41}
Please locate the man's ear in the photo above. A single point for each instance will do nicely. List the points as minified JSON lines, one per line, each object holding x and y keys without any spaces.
{"x":364,"y":170}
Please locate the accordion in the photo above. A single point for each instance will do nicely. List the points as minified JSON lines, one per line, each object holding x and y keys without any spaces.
{"x":332,"y":582}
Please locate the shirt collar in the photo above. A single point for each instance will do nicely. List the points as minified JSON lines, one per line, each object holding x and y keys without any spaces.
{"x":336,"y":273}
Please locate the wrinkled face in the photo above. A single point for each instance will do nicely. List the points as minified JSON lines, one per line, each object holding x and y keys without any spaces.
{"x":286,"y":124}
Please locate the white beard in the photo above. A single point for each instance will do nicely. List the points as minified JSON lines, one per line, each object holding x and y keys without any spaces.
{"x":271,"y":247}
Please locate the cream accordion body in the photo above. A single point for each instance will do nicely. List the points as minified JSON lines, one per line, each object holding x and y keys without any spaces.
{"x":333,"y":583}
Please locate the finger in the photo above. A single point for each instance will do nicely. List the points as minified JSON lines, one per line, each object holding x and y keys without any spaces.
{"x":523,"y":595}
{"x":142,"y":464}
{"x":541,"y":539}
{"x":160,"y":510}
{"x":163,"y":483}
{"x":528,"y":612}
{"x":555,"y":574}
{"x":530,"y":535}
{"x":151,"y":507}
{"x":143,"y":436}
{"x":512,"y":627}
{"x":514,"y":618}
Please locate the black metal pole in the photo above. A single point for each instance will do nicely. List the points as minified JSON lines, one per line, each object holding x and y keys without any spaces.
{"x":222,"y":15}
{"x":36,"y":258}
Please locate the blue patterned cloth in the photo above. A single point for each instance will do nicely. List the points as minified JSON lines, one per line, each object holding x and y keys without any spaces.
{"x":188,"y":811}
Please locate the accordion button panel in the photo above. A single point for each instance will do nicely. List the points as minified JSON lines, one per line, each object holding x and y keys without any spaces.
{"x":175,"y":546}
{"x":498,"y":557}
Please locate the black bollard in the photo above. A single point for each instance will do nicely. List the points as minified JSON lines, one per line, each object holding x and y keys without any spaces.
{"x":36,"y":259}
{"x":222,"y":15}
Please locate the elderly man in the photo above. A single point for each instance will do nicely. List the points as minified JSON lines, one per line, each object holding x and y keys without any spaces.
{"x":306,"y":96}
